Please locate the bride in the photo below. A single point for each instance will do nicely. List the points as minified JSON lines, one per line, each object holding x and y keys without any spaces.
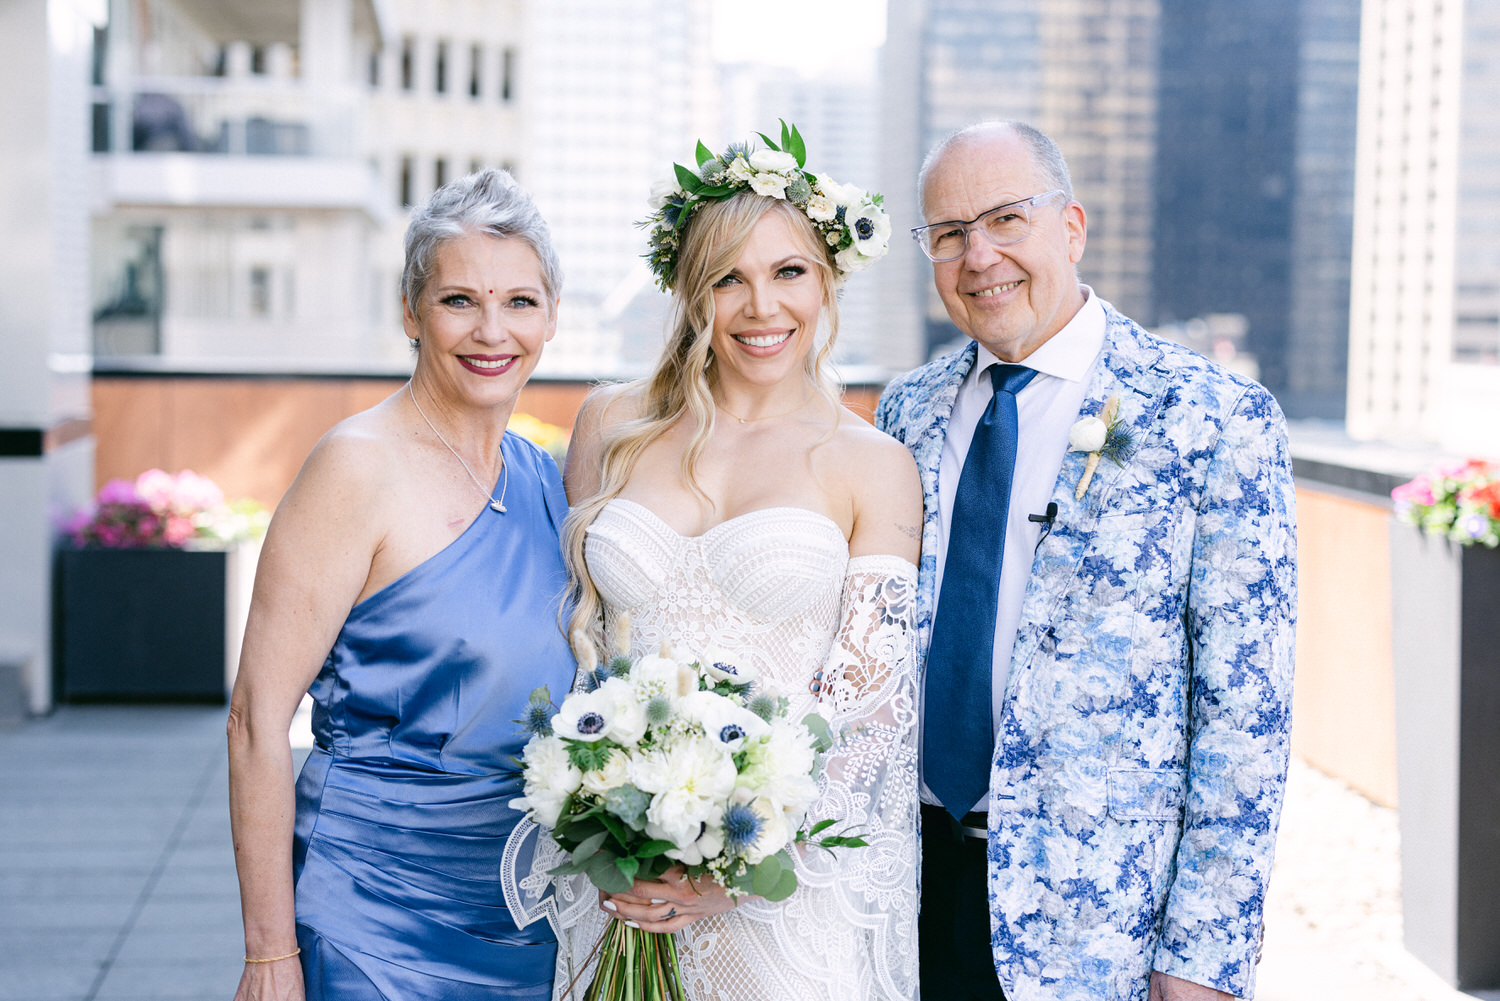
{"x":730,"y":501}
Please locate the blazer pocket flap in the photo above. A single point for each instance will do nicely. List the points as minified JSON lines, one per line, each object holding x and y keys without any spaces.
{"x":1147,"y":793}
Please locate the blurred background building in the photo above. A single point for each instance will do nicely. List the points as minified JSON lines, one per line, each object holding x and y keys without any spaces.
{"x":1303,"y":189}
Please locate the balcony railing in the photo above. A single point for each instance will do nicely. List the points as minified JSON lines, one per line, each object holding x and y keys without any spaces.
{"x":212,"y":115}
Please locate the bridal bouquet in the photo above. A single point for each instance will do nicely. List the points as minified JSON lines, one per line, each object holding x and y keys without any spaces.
{"x":659,"y":762}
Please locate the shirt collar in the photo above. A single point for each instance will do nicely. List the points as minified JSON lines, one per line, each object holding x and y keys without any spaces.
{"x":1067,"y":354}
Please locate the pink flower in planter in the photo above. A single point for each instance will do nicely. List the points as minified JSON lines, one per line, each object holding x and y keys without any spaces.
{"x":119,"y":492}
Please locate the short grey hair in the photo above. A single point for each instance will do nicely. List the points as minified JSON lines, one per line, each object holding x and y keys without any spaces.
{"x":488,"y":202}
{"x":1044,"y":155}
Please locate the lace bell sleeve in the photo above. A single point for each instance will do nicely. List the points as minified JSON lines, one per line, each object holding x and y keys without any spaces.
{"x":869,"y":783}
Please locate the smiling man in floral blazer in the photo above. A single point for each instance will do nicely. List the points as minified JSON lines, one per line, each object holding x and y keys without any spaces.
{"x":1139,"y":667}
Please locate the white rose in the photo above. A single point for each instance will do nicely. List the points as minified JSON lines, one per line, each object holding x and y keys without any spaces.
{"x":769,"y":184}
{"x":841,"y":194}
{"x":663,"y":190}
{"x":1087,"y":435}
{"x":772,"y":160}
{"x":550,"y":779}
{"x":708,"y":845}
{"x":721,"y":665}
{"x":652,"y":676}
{"x":821,"y":208}
{"x":739,"y":169}
{"x":615,"y":773}
{"x":850,"y":260}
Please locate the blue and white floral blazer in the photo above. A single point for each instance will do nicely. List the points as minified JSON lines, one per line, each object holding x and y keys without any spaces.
{"x":1138,"y":774}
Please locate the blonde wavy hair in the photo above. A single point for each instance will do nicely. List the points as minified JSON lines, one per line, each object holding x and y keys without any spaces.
{"x":680,"y":387}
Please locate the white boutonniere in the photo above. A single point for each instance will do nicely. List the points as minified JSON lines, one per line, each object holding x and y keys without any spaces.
{"x":1105,"y":435}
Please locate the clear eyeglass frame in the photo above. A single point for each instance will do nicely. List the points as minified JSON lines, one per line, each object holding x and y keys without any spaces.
{"x":1002,"y":226}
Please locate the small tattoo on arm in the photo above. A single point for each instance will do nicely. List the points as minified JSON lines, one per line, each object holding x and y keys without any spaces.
{"x":910,"y":531}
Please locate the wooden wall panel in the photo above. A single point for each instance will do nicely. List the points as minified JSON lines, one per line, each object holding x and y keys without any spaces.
{"x":1345,"y":703}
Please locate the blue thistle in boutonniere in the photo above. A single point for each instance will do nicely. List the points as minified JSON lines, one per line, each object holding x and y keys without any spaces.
{"x":1105,"y":435}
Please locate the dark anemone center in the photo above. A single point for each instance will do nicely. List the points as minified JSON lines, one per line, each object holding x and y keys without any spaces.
{"x":865,"y":227}
{"x":727,"y":668}
{"x":591,"y":722}
{"x":731,"y":731}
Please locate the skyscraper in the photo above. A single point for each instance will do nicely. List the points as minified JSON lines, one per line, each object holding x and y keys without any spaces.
{"x":1424,"y":353}
{"x":1211,"y":144}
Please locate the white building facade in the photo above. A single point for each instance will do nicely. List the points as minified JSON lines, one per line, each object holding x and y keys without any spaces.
{"x":1424,"y":345}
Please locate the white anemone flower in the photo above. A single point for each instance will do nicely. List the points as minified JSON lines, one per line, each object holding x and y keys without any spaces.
{"x":871,"y":226}
{"x":585,"y":716}
{"x":721,"y":665}
{"x":723,"y":721}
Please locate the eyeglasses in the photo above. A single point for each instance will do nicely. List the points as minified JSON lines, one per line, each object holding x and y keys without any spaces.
{"x":1001,"y":225}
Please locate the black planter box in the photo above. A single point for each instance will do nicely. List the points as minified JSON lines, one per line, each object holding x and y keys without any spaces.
{"x":144,"y":625}
{"x":1446,"y":652}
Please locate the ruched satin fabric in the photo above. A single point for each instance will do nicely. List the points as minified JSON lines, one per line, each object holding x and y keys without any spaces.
{"x":403,"y":804}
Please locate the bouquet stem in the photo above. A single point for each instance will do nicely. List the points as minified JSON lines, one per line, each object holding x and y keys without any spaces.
{"x":636,"y":965}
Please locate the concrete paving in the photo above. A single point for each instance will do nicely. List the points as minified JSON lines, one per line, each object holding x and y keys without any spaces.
{"x":117,"y":876}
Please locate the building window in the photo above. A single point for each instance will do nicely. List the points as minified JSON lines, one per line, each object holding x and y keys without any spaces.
{"x":407,"y":168}
{"x":258,"y":60}
{"x":440,"y":69}
{"x":476,"y":60}
{"x":260,"y":292}
{"x":510,"y":169}
{"x":374,"y":69}
{"x":408,"y":65}
{"x":440,"y":172}
{"x":475,"y":166}
{"x":507,"y":72}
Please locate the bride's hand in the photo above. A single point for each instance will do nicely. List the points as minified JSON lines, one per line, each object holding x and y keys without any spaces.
{"x":667,"y":904}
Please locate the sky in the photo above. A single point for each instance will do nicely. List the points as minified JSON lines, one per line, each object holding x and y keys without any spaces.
{"x":815,"y":37}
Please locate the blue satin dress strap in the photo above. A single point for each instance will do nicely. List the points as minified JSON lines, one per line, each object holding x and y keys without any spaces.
{"x":403,"y":806}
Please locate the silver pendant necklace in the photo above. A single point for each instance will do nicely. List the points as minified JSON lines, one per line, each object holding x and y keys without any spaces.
{"x":495,"y":505}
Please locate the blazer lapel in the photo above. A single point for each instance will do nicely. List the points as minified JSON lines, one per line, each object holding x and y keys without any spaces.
{"x":1131,"y":366}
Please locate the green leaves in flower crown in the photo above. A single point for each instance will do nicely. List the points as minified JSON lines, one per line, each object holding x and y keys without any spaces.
{"x":791,"y":142}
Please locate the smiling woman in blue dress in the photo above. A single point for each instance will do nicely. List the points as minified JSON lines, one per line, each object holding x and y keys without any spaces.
{"x":412,"y":577}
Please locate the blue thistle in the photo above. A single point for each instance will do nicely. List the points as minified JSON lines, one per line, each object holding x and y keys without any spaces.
{"x":658,"y":710}
{"x":741,"y":828}
{"x":798,"y":191}
{"x":764,"y":706}
{"x":538,"y":718}
{"x":619,"y":666}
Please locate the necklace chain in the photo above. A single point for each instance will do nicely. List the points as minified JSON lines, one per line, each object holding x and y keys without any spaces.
{"x":495,"y":505}
{"x":767,"y":417}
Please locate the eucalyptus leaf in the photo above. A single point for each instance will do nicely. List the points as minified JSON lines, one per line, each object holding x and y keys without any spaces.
{"x":628,"y":866}
{"x":818,"y":726}
{"x":604,"y":872}
{"x":786,"y":885}
{"x":590,"y":845}
{"x":765,"y":875}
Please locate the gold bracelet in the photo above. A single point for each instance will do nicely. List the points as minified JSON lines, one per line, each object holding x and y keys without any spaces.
{"x":276,"y":959}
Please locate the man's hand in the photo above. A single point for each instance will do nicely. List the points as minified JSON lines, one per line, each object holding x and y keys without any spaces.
{"x":1165,"y":988}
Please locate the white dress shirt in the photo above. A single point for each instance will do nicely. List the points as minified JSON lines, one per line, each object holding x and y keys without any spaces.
{"x":1045,"y":409}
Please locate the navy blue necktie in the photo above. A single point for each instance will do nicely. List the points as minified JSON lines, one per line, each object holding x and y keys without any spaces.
{"x":956,"y":754}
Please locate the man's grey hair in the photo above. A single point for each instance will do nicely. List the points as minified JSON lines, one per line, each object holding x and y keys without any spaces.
{"x":1044,"y":154}
{"x":488,"y":202}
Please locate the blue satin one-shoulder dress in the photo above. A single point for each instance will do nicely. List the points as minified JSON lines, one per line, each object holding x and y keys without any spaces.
{"x":403,"y":806}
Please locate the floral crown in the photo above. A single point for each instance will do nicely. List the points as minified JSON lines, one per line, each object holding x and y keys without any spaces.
{"x":853,"y":222}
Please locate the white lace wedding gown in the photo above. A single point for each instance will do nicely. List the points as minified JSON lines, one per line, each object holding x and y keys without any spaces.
{"x":834,"y":635}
